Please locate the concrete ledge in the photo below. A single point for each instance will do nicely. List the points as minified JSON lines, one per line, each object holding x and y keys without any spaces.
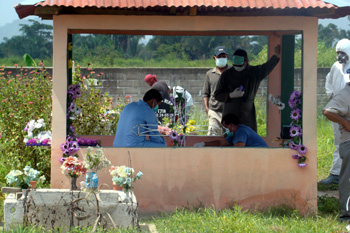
{"x":64,"y":209}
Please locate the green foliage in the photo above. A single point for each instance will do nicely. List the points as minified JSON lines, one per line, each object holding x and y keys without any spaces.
{"x":29,"y":61}
{"x":326,"y":56}
{"x":98,"y":116}
{"x":325,"y":146}
{"x":36,"y":40}
{"x":24,"y":97}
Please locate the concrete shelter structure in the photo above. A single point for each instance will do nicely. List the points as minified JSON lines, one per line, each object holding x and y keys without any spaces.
{"x":220,"y":177}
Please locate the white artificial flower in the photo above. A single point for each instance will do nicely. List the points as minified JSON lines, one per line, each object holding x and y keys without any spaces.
{"x":31,"y":126}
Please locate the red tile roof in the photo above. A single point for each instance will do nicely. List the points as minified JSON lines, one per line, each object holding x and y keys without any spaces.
{"x":316,"y":8}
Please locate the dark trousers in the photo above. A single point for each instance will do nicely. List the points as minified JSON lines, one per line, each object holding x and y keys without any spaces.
{"x":344,"y":181}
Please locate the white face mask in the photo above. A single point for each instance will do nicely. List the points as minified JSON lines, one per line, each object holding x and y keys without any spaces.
{"x":239,"y":68}
{"x":221,"y":62}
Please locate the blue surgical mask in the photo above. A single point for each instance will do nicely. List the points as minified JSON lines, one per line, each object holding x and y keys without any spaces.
{"x":228,"y":133}
{"x":155,"y":109}
{"x":221,"y":62}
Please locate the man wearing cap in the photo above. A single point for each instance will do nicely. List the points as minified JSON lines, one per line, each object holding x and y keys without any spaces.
{"x":238,"y":85}
{"x":335,"y":81}
{"x":161,"y":86}
{"x":213,"y":107}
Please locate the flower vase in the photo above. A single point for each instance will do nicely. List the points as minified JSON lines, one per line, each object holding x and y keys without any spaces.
{"x":74,"y":183}
{"x":91,"y":180}
{"x":32,"y":184}
{"x":128,"y":195}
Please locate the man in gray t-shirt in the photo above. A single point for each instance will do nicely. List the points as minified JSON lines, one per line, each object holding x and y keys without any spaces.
{"x":213,"y":107}
{"x":338,"y":110}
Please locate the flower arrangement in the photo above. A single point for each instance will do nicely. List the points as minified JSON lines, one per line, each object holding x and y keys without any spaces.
{"x":124,"y":176}
{"x":95,"y":160}
{"x":69,"y":148}
{"x":73,"y":167}
{"x":21,"y":179}
{"x":36,"y":135}
{"x":296,"y":131}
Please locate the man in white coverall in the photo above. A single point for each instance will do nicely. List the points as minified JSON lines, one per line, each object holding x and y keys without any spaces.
{"x":335,"y":81}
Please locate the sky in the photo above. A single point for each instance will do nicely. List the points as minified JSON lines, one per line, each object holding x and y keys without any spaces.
{"x":8,"y":13}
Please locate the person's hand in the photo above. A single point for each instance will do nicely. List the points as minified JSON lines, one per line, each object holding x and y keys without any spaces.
{"x":277,"y":50}
{"x":346,"y":126}
{"x":236,"y":93}
{"x":199,"y":144}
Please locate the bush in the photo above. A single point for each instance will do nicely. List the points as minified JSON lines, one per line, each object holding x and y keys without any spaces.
{"x":24,"y":97}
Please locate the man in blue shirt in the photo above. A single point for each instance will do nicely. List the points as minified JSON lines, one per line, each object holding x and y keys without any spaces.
{"x":138,"y":120}
{"x":239,"y":135}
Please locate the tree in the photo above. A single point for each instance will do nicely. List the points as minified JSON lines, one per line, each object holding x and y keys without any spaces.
{"x":36,"y":40}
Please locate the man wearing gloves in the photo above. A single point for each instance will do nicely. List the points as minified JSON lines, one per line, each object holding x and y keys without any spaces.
{"x":213,"y":107}
{"x":238,"y":135}
{"x":335,"y":81}
{"x":138,"y":120}
{"x":238,"y":85}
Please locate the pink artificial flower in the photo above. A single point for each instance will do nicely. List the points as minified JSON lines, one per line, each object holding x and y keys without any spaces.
{"x":30,"y":102}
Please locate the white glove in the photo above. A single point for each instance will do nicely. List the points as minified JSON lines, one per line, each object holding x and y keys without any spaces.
{"x":236,"y":93}
{"x":199,"y":144}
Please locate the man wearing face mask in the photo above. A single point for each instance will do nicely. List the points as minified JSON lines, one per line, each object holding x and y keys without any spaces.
{"x":138,"y":120}
{"x":239,"y":135}
{"x":335,"y":81}
{"x":238,"y":85}
{"x":213,"y":107}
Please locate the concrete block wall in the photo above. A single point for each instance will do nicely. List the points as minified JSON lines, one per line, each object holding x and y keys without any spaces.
{"x":119,"y":82}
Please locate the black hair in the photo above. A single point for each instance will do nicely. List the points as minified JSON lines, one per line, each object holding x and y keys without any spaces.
{"x":242,"y":53}
{"x":230,"y":119}
{"x":152,"y":94}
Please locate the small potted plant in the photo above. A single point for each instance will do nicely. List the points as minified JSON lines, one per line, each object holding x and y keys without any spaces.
{"x":124,"y":177}
{"x":29,"y":177}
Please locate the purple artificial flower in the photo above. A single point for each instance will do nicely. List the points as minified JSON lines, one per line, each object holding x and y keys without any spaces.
{"x":77,"y":92}
{"x":293,"y":146}
{"x":295,"y":114}
{"x":62,"y":159}
{"x":292,"y":103}
{"x":70,"y":139}
{"x":302,"y":164}
{"x":32,"y":140}
{"x":295,"y":95}
{"x":72,"y":129}
{"x":46,"y":142}
{"x":173,"y":136}
{"x":64,"y":147}
{"x":302,"y":149}
{"x":295,"y":131}
{"x":72,"y":151}
{"x":75,"y":145}
{"x":296,"y":156}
